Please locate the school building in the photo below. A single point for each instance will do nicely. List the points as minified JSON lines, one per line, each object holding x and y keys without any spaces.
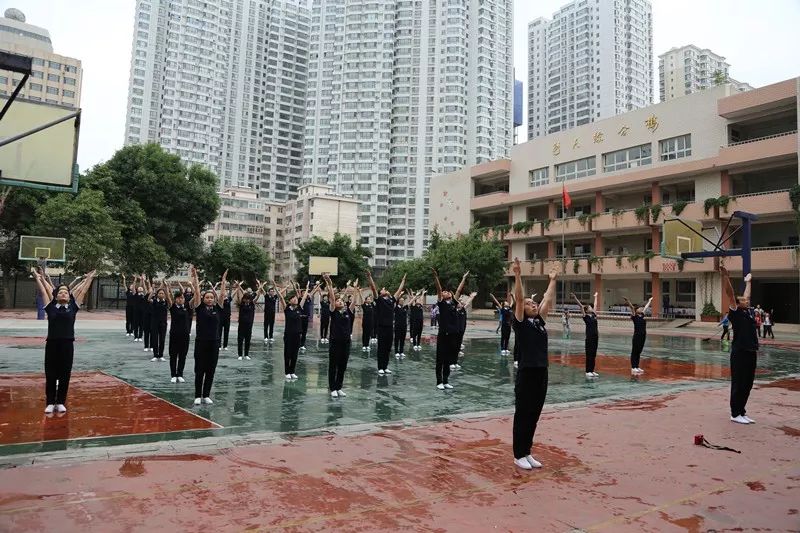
{"x":699,"y":157}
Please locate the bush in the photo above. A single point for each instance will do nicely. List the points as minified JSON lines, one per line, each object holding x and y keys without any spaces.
{"x":641,"y":213}
{"x":679,"y":206}
{"x":709,"y":310}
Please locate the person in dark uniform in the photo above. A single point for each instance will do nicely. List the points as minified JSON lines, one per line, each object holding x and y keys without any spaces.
{"x":306,"y":312}
{"x":447,"y":340}
{"x":400,"y":327}
{"x":59,"y":349}
{"x":292,"y":331}
{"x":270,"y":305}
{"x":530,"y":388}
{"x":208,"y":312}
{"x":324,"y":318}
{"x":178,"y":337}
{"x":461,"y":313}
{"x":130,"y":306}
{"x":744,"y":348}
{"x":188,"y":296}
{"x":416,"y":319}
{"x":505,"y":324}
{"x":339,"y":345}
{"x":247,"y":314}
{"x":225,"y":318}
{"x":384,"y":320}
{"x":367,"y":322}
{"x":140,"y":300}
{"x":639,"y":334}
{"x":158,"y":322}
{"x":592,"y":336}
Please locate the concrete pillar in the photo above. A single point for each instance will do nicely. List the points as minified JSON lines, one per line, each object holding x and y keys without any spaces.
{"x":510,"y":215}
{"x":551,"y":210}
{"x":725,"y":186}
{"x":655,"y":236}
{"x":655,"y":281}
{"x":598,"y":244}
{"x":599,"y":202}
{"x":598,"y":288}
{"x":655,"y":193}
{"x":551,"y":248}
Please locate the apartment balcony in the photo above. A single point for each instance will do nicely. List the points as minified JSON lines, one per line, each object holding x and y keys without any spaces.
{"x":527,"y":268}
{"x":521,"y":234}
{"x":620,"y":265}
{"x":621,"y":221}
{"x":762,"y":203}
{"x":759,"y":101}
{"x":661,"y":265}
{"x":768,"y":259}
{"x":567,"y":226}
{"x":759,"y":150}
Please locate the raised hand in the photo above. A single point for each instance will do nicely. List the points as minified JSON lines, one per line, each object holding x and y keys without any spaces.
{"x":553,"y":274}
{"x":748,"y":278}
{"x":516,"y":267}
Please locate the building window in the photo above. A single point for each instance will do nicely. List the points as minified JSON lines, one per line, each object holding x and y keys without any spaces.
{"x":575,"y":169}
{"x":539,"y":177}
{"x":53,"y":64}
{"x":676,"y":147}
{"x":35,"y":86}
{"x":68,"y":94}
{"x":627,"y":158}
{"x":685,"y":291}
{"x":53,"y":77}
{"x":52,"y":90}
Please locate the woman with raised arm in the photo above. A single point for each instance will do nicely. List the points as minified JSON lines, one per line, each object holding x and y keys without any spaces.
{"x":306,"y":313}
{"x":246,"y":301}
{"x":59,"y":347}
{"x":592,"y":336}
{"x":530,"y":388}
{"x":270,"y":308}
{"x":130,"y":305}
{"x":179,"y":327}
{"x":744,"y":347}
{"x":639,"y":334}
{"x":225,"y":320}
{"x":208,"y":311}
{"x":401,"y":310}
{"x":339,"y":345}
{"x":461,"y":311}
{"x":367,"y":320}
{"x":505,"y":313}
{"x":158,"y":321}
{"x":324,"y":317}
{"x":143,"y":313}
{"x":291,"y":332}
{"x":447,"y":340}
{"x":384,"y":318}
{"x":416,"y":319}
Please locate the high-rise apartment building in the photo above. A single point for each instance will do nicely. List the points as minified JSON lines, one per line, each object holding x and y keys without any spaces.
{"x":689,"y":69}
{"x":592,"y":60}
{"x":55,"y":79}
{"x":222,"y":83}
{"x":399,"y":91}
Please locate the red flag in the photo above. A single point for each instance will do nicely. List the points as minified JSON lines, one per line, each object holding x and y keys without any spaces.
{"x":565,"y":198}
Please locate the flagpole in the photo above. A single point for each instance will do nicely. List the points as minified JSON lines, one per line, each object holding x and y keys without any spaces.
{"x":563,"y":250}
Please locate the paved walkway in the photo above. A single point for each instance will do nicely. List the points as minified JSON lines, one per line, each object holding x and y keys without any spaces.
{"x":616,"y":466}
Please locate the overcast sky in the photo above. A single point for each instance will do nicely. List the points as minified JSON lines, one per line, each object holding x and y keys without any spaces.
{"x":758,"y":38}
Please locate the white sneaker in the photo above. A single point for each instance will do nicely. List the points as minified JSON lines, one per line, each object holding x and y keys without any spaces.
{"x":461,"y":354}
{"x":363,"y":348}
{"x":181,"y":380}
{"x":523,"y":463}
{"x":146,"y":350}
{"x":448,"y":386}
{"x":225,"y":348}
{"x":634,"y":372}
{"x":595,"y":374}
{"x":160,"y":359}
{"x":452,"y":367}
{"x":750,"y":420}
{"x":272,"y":340}
{"x":440,"y":386}
{"x":462,"y":346}
{"x":334,"y":394}
{"x":381,"y":372}
{"x":247,"y":357}
{"x":302,"y":348}
{"x":397,"y":356}
{"x":60,"y":408}
{"x":49,"y":409}
{"x":640,"y":371}
{"x":288,"y":376}
{"x":207,"y":400}
{"x":590,"y":375}
{"x":533,"y":462}
{"x":154,"y":359}
{"x":458,"y":367}
{"x":342,"y":394}
{"x":173,"y":380}
{"x":294,"y":376}
{"x":739,"y":419}
{"x":197,"y":401}
{"x":266,"y":339}
{"x":516,"y":364}
{"x":240,"y":358}
{"x":388,"y":371}
{"x":402,"y":355}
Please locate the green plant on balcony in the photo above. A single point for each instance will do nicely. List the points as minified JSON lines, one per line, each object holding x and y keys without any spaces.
{"x":723,"y":202}
{"x":679,"y":206}
{"x":582,"y":219}
{"x":794,"y":196}
{"x":502,"y":229}
{"x":616,"y":213}
{"x":523,"y":227}
{"x":655,"y":211}
{"x":546,"y":223}
{"x":619,"y":261}
{"x":634,"y":259}
{"x":484,"y":230}
{"x":595,"y":261}
{"x":641,"y":213}
{"x":709,"y":310}
{"x":709,"y":204}
{"x":576,"y":265}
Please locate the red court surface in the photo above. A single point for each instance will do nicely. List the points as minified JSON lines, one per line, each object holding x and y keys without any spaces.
{"x":98,"y":405}
{"x":617,"y":466}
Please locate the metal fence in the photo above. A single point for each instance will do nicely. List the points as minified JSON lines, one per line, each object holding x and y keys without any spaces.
{"x":19,"y":292}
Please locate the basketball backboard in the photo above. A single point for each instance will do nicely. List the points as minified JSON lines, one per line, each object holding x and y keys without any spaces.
{"x":318,"y":265}
{"x":39,"y":145}
{"x":680,"y":237}
{"x":32,"y":248}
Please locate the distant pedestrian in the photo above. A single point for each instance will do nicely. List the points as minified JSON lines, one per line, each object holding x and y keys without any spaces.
{"x":768,"y":325}
{"x":725,"y":325}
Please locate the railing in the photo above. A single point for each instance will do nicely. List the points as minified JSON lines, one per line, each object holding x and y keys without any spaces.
{"x":759,"y":193}
{"x":774,"y":136}
{"x":768,"y":248}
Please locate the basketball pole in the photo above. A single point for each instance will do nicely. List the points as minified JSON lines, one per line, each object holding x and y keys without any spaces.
{"x":563,"y":253}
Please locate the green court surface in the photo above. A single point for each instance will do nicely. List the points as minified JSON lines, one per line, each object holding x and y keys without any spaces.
{"x":253,"y":397}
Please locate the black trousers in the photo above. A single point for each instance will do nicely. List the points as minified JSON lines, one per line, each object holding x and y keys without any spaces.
{"x":147,"y":331}
{"x":338,"y":354}
{"x":530,"y":391}
{"x":58,"y":355}
{"x":138,"y":317}
{"x":384,"y":346}
{"x":206,"y":355}
{"x":516,"y":349}
{"x":269,"y":325}
{"x":590,"y":344}
{"x":399,"y":340}
{"x":130,"y":313}
{"x":743,"y":372}
{"x":158,"y":336}
{"x":768,"y":331}
{"x":224,"y":331}
{"x":303,"y":331}
{"x":446,"y":346}
{"x":366,"y":333}
{"x":505,"y":336}
{"x":178,"y":348}
{"x":726,"y":332}
{"x":244,"y":332}
{"x":324,"y":321}
{"x":636,"y":349}
{"x":416,"y":332}
{"x":291,"y":345}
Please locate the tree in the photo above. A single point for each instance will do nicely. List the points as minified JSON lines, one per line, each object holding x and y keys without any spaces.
{"x":85,"y":221}
{"x":352,"y":257}
{"x":245,"y":261}
{"x":17,"y":218}
{"x":720,"y":78}
{"x":162,"y":206}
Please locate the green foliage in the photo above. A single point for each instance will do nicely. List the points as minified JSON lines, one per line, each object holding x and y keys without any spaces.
{"x":709,"y":310}
{"x":576,"y":265}
{"x":583,"y":218}
{"x":679,"y":206}
{"x":723,"y":202}
{"x":641,"y":213}
{"x":655,"y":211}
{"x":619,"y":261}
{"x":523,"y":227}
{"x":546,"y":223}
{"x":162,"y":206}
{"x":720,"y":78}
{"x":245,"y":261}
{"x":708,"y":204}
{"x":18,"y":218}
{"x":352,"y":257}
{"x":93,"y":236}
{"x":502,"y":229}
{"x":794,"y":196}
